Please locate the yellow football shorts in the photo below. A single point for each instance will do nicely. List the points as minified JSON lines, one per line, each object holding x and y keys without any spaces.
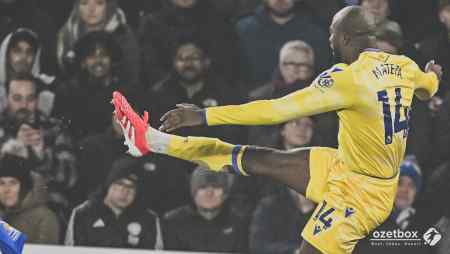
{"x":350,"y":205}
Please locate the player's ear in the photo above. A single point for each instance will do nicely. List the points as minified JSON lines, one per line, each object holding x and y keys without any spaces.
{"x":346,"y":40}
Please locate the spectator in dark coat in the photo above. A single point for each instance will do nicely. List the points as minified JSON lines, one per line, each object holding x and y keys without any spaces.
{"x":193,"y":81}
{"x":83,"y":100}
{"x":208,"y":224}
{"x":114,"y":216}
{"x":15,"y":14}
{"x":161,"y":30}
{"x":278,"y":222}
{"x":264,"y":33}
{"x":105,"y":15}
{"x":23,"y":200}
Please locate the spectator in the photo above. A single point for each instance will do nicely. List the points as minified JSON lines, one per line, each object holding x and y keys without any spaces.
{"x":23,"y":202}
{"x":208,"y":224}
{"x":42,"y":140}
{"x":15,"y":14}
{"x":20,"y":53}
{"x":96,"y":59}
{"x":247,"y":192}
{"x":277,"y":223}
{"x":162,"y":175}
{"x":194,"y":18}
{"x":379,"y":8}
{"x":43,"y":136}
{"x":404,"y":216}
{"x":437,"y":46}
{"x":295,"y":71}
{"x":114,"y":216}
{"x":389,"y":37}
{"x":192,"y":81}
{"x":104,"y":15}
{"x":417,"y":18}
{"x":265,"y":32}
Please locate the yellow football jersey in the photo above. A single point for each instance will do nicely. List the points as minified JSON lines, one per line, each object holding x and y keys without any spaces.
{"x":372,"y":98}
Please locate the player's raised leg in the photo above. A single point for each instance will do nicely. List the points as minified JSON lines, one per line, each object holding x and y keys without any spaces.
{"x":288,"y":167}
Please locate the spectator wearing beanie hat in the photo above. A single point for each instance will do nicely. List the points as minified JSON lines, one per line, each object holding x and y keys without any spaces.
{"x":114,"y":216}
{"x":23,"y":202}
{"x":208,"y":224}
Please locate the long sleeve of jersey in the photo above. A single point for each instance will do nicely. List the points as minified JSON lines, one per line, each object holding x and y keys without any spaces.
{"x":331,"y":91}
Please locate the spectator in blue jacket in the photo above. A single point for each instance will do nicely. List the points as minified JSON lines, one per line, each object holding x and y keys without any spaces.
{"x":263,"y":34}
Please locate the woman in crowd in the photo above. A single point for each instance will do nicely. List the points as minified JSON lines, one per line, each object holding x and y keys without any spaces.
{"x":98,"y":15}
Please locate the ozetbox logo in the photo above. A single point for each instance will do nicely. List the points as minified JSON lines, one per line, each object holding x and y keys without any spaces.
{"x":400,"y":237}
{"x":432,"y":236}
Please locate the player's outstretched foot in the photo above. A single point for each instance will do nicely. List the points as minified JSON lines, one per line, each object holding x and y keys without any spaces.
{"x":133,"y":126}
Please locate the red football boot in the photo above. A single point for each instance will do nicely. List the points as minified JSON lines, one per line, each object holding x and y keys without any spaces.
{"x":133,"y":126}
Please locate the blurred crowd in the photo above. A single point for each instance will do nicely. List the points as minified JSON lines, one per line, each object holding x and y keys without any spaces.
{"x":64,"y":174}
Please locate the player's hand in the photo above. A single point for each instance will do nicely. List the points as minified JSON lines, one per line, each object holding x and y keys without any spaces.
{"x":435,"y":104}
{"x":185,"y":115}
{"x":436,"y":68}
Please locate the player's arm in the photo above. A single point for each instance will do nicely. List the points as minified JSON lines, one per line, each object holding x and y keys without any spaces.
{"x":427,"y":83}
{"x":329,"y":92}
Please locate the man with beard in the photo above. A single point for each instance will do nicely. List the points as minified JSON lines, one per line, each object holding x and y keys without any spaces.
{"x":43,"y":141}
{"x":96,"y":57}
{"x":21,"y":119}
{"x":192,"y":81}
{"x":264,"y":33}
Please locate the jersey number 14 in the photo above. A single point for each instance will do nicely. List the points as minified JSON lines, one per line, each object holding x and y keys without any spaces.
{"x":397,"y":125}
